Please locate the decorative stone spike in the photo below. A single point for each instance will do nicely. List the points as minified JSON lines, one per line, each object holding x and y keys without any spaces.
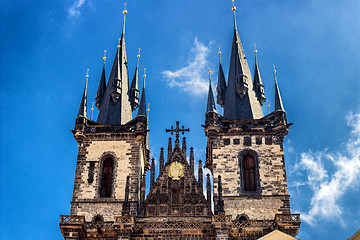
{"x":161,"y":159}
{"x":184,"y":146}
{"x":192,"y":160}
{"x":125,"y":211}
{"x":152,"y":173}
{"x":169,"y":149}
{"x":208,"y":190}
{"x":221,"y":210}
{"x":200,"y":176}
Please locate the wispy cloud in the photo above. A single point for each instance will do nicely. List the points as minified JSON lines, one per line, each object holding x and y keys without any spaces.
{"x":328,"y":185}
{"x":192,"y":77}
{"x":74,"y":10}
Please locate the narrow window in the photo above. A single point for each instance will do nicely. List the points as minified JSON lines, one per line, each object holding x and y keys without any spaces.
{"x":249,"y":173}
{"x":107,"y":178}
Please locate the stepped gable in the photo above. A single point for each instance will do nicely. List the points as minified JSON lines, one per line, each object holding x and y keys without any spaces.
{"x":176,"y":191}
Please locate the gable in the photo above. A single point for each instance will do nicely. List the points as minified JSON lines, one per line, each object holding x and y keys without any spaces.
{"x":176,"y":191}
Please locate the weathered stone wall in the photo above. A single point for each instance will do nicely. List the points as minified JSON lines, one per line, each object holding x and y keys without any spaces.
{"x":271,"y":180}
{"x":256,"y":207}
{"x":127,"y":154}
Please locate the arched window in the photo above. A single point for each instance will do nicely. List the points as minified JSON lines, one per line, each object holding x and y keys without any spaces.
{"x":249,"y":173}
{"x":107,"y":178}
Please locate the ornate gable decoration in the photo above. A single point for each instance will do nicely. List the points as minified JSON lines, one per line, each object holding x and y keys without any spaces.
{"x":176,"y":191}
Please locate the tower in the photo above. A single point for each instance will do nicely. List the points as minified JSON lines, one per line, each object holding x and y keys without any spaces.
{"x":113,"y":154}
{"x":245,"y":150}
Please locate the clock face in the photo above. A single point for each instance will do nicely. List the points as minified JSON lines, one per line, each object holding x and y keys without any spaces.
{"x":176,"y":170}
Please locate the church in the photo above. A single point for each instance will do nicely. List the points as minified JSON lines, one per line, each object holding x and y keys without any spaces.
{"x":248,"y":197}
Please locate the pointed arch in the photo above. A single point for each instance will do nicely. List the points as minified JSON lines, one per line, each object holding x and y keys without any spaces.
{"x":249,"y":172}
{"x":107,"y":175}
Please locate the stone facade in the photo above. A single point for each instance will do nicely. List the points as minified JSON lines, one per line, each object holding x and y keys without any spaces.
{"x":128,"y":149}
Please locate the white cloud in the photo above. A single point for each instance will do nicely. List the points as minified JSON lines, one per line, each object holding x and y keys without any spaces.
{"x":192,"y":77}
{"x":329,"y":186}
{"x":74,"y":10}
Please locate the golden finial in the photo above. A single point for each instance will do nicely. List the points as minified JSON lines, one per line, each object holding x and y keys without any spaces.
{"x":255,"y":51}
{"x":104,"y":56}
{"x":237,"y":41}
{"x":125,"y":11}
{"x":87,"y":73}
{"x":138,"y":52}
{"x":219,"y":52}
{"x":148,"y":110}
{"x":144,"y":73}
{"x":274,"y":68}
{"x":209,"y":70}
{"x":92,"y":110}
{"x":119,"y":42}
{"x":233,"y":7}
{"x":268,"y":106}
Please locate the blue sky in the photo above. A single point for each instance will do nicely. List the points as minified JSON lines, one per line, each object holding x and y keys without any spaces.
{"x":46,"y":47}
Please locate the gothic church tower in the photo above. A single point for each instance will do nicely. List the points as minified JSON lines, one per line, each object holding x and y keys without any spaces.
{"x":244,"y":148}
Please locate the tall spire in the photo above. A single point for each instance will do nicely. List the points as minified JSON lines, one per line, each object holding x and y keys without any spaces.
{"x":142,"y":106}
{"x":83,"y":104}
{"x":134,"y":89}
{"x":102,"y":85}
{"x":240,"y":99}
{"x":116,"y":108}
{"x":258,"y":86}
{"x":278,"y":102}
{"x":210,"y":102}
{"x":221,"y":87}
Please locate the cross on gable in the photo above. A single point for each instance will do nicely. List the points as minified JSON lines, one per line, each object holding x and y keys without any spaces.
{"x":177,"y":130}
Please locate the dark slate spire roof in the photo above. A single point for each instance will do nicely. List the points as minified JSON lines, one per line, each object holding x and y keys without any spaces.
{"x":101,"y":88}
{"x":278,"y":102}
{"x":210,"y":102}
{"x":240,"y":99}
{"x":258,"y":86}
{"x":142,"y":106}
{"x":116,"y":108}
{"x":134,"y":89}
{"x":221,"y":87}
{"x":83,"y":104}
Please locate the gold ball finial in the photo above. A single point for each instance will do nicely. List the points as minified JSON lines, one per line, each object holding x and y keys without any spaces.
{"x":268,"y":105}
{"x":274,"y":71}
{"x":274,"y":68}
{"x":87,"y":73}
{"x":144,"y":73}
{"x":104,"y":55}
{"x":233,"y":7}
{"x":255,"y":51}
{"x":237,"y":41}
{"x":209,"y":72}
{"x":139,"y":53}
{"x":125,"y":11}
{"x":219,"y":52}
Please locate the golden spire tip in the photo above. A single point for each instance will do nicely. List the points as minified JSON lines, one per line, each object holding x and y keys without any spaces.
{"x":233,"y":7}
{"x":144,"y":73}
{"x":219,"y":50}
{"x":125,"y":11}
{"x":104,"y":55}
{"x":255,"y":51}
{"x":274,"y":68}
{"x":87,"y":73}
{"x":138,"y":52}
